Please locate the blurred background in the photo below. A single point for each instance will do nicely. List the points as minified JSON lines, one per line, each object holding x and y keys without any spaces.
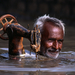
{"x":29,"y":10}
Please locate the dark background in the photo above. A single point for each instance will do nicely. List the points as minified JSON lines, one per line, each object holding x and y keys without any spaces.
{"x":29,"y":10}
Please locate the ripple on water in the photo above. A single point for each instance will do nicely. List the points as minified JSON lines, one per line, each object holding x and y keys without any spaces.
{"x":69,"y":68}
{"x":67,"y":63}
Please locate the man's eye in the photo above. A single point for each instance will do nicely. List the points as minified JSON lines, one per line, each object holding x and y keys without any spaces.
{"x":60,"y":41}
{"x":50,"y":40}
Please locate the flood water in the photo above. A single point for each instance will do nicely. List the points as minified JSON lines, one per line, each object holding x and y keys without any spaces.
{"x":63,"y":65}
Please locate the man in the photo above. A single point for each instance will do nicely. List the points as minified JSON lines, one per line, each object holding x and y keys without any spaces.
{"x":52,"y":35}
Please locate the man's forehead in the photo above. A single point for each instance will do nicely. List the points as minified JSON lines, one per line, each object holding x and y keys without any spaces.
{"x":51,"y":30}
{"x":51,"y":25}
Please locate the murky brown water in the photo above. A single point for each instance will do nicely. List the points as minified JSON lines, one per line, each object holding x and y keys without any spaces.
{"x":64,"y":65}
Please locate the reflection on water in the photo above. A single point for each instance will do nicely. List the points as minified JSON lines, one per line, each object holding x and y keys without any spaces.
{"x":63,"y":65}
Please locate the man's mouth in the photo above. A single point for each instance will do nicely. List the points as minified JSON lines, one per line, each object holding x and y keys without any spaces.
{"x":52,"y":53}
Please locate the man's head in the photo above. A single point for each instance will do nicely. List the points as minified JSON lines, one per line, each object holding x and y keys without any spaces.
{"x":52,"y":34}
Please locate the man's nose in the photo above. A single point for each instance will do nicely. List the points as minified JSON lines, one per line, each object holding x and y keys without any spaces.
{"x":56,"y":45}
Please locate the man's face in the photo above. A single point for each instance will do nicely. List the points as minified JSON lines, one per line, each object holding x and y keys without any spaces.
{"x":51,"y":40}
